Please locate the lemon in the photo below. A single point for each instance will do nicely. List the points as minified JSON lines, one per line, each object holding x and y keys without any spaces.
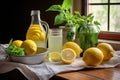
{"x":78,"y":50}
{"x":93,"y":56}
{"x":29,"y":46}
{"x":34,"y":33}
{"x":34,"y":27}
{"x":107,"y":50}
{"x":68,"y":56}
{"x":54,"y":56}
{"x":17,"y":43}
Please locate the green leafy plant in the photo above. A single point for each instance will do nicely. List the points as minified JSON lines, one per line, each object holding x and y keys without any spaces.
{"x":64,"y":15}
{"x":85,"y":21}
{"x":80,"y":22}
{"x":69,"y":19}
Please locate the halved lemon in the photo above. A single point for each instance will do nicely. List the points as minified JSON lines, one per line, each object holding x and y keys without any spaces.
{"x":78,"y":50}
{"x":68,"y":55}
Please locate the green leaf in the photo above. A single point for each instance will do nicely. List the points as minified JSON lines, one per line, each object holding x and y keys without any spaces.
{"x":10,"y":42}
{"x":14,"y":50}
{"x":70,"y":35}
{"x":96,"y":23}
{"x":59,"y":19}
{"x":67,"y":4}
{"x":54,"y":8}
{"x":89,"y":15}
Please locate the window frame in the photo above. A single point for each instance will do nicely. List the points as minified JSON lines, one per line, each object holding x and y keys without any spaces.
{"x":103,"y":34}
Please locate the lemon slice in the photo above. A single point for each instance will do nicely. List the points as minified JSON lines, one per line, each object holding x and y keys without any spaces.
{"x":54,"y":56}
{"x":68,"y":55}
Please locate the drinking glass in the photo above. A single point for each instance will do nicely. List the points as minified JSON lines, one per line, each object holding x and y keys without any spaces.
{"x":54,"y":41}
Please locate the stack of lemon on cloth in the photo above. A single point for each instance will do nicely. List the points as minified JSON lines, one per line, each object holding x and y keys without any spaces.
{"x":70,"y":51}
{"x":92,"y":56}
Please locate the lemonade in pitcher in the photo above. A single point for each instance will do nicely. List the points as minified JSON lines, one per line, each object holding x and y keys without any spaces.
{"x":37,"y":30}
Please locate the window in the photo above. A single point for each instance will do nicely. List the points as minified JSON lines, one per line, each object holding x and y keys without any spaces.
{"x":107,"y":13}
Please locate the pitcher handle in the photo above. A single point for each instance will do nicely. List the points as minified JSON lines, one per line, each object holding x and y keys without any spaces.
{"x":45,"y":24}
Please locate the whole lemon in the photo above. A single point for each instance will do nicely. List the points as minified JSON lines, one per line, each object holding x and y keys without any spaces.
{"x":107,"y":50}
{"x":29,"y":46}
{"x":73,"y":45}
{"x":17,"y":43}
{"x":93,"y":56}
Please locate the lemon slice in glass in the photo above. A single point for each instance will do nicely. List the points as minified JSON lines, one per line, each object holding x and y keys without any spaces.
{"x":54,"y":56}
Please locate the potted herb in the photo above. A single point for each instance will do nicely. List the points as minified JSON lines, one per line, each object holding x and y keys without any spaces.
{"x":87,"y":29}
{"x":66,"y":18}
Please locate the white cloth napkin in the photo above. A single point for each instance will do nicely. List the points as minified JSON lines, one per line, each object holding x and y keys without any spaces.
{"x":46,"y":70}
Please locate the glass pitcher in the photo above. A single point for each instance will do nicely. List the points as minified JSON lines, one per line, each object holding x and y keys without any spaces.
{"x":38,"y":30}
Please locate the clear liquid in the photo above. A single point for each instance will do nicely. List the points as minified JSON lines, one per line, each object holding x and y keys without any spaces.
{"x":41,"y":44}
{"x":37,"y":34}
{"x":55,"y":43}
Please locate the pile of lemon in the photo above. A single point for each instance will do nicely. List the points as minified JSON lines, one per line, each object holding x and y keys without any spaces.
{"x":92,"y":56}
{"x":70,"y":51}
{"x":30,"y":47}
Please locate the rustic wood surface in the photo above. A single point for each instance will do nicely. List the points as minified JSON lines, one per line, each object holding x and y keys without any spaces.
{"x":90,"y":74}
{"x":85,"y":74}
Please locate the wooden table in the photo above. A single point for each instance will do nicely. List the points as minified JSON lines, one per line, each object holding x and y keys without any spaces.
{"x":85,"y":74}
{"x":90,"y":74}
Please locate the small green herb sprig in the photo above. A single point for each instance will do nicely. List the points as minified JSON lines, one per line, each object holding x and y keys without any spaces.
{"x":14,"y":50}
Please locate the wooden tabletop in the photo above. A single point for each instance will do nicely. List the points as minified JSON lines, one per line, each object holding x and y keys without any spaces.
{"x":85,"y":74}
{"x":90,"y":74}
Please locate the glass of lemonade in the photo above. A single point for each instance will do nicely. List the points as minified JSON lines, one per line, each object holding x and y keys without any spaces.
{"x":54,"y":43}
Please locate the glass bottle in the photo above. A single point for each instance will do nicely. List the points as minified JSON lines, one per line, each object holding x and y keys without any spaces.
{"x":38,"y":30}
{"x":88,"y":36}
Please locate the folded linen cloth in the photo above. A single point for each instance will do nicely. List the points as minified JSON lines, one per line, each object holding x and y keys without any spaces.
{"x":46,"y":70}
